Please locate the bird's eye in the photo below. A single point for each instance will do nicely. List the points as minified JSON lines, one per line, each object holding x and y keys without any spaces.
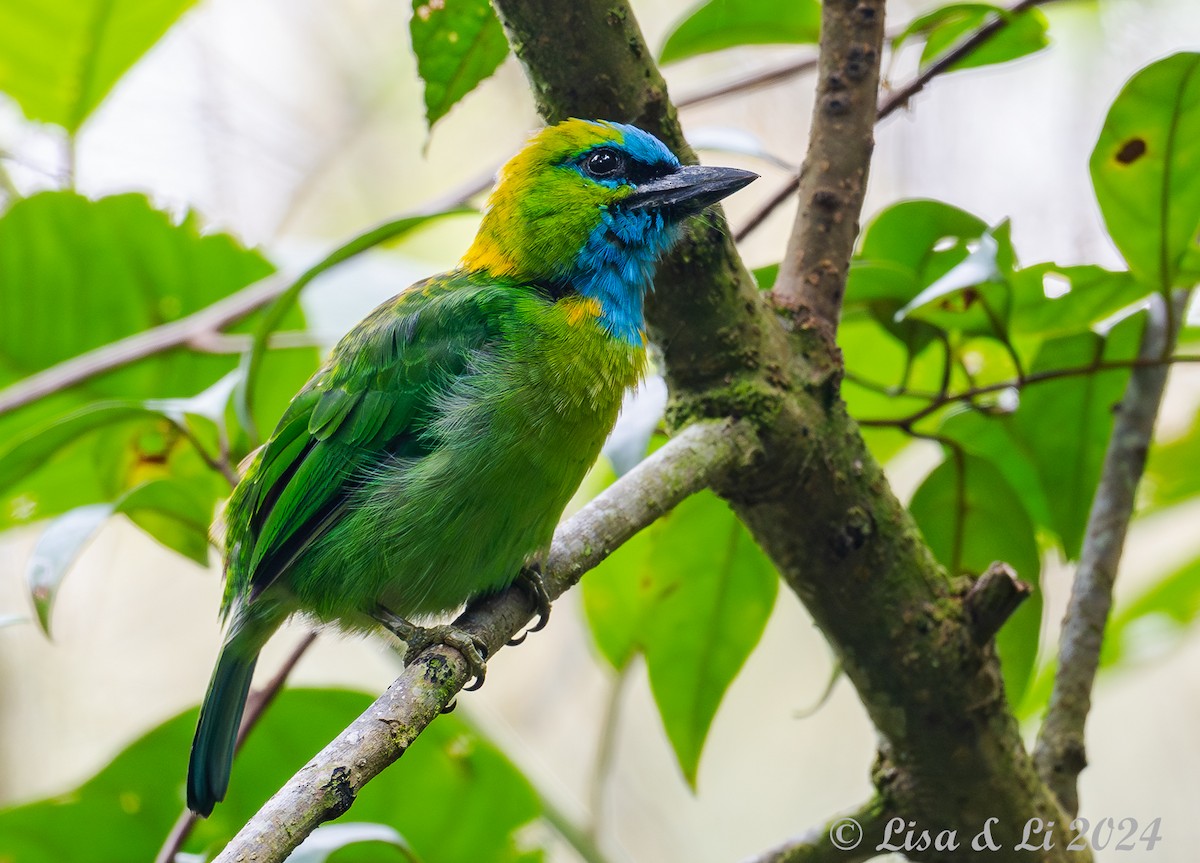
{"x":604,"y":162}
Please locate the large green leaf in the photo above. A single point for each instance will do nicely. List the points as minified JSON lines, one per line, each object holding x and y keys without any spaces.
{"x":1146,"y":169}
{"x":59,"y":60}
{"x":77,"y":274}
{"x":719,"y":24}
{"x":693,"y":593}
{"x":458,"y":43}
{"x":453,"y":796}
{"x":1173,"y":469}
{"x":970,"y":517}
{"x":944,"y":28}
{"x":1156,"y":619}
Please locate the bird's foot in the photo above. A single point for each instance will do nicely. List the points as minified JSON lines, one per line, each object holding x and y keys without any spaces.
{"x":531,"y":581}
{"x":418,"y":638}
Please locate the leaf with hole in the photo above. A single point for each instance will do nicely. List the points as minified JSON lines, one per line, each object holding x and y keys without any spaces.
{"x":1144,"y":170}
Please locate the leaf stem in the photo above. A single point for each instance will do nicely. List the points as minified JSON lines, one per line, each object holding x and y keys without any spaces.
{"x":606,"y":752}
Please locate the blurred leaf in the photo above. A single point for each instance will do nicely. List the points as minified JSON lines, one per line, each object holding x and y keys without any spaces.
{"x":76,"y":275}
{"x":944,"y":28}
{"x":970,"y":517}
{"x":1156,"y":620}
{"x":328,"y":838}
{"x":56,"y":550}
{"x":1144,"y":169}
{"x":175,"y":512}
{"x":1173,"y":469}
{"x":458,"y":43}
{"x":721,"y":24}
{"x":59,"y":60}
{"x":1092,"y":294}
{"x":693,"y":593}
{"x":454,"y":796}
{"x":765,"y":276}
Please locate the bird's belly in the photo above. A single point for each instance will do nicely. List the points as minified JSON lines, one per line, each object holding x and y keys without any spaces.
{"x":434,"y":532}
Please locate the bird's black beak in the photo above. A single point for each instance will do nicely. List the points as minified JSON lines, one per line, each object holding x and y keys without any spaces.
{"x":688,"y":190}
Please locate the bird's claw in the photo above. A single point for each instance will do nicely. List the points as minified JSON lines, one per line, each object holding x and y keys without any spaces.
{"x":473,"y":650}
{"x":418,"y":638}
{"x":530,"y":579}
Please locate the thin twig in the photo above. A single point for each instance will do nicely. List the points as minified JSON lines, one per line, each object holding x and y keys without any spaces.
{"x":764,"y":78}
{"x":582,"y":841}
{"x":940,"y":401}
{"x":605,"y":751}
{"x":210,"y":319}
{"x":898,"y":99}
{"x":833,"y":180}
{"x":1060,"y":754}
{"x":256,"y":705}
{"x":325,"y":788}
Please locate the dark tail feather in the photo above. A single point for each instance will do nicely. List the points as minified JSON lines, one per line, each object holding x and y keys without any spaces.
{"x":216,"y":732}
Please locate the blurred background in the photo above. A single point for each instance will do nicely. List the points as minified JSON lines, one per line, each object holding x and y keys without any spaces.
{"x":294,"y":124}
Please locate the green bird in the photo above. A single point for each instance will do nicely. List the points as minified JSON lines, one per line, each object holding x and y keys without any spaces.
{"x":427,"y":462}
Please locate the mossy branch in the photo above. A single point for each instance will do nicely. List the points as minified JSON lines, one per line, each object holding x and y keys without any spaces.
{"x":326,"y":787}
{"x":816,"y":500}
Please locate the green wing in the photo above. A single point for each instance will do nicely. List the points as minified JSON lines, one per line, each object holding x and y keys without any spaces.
{"x":370,"y":403}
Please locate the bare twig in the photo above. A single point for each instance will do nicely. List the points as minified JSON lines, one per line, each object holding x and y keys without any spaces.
{"x":326,"y":787}
{"x":900,"y":98}
{"x":940,"y":400}
{"x":1060,"y":753}
{"x":850,"y":838}
{"x":765,"y":78}
{"x":256,"y":705}
{"x":196,"y":326}
{"x":605,"y":750}
{"x":833,"y":181}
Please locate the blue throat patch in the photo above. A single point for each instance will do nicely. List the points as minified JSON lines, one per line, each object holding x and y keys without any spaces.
{"x":615,"y":268}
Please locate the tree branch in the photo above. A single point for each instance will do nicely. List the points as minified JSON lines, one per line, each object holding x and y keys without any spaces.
{"x":1060,"y":753}
{"x":201,"y":325}
{"x":816,"y":501}
{"x":899,"y":99}
{"x":833,"y":180}
{"x":847,"y":838}
{"x":326,"y":787}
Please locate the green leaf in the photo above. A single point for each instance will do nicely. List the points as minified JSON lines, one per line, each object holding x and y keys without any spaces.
{"x":693,"y":593}
{"x":76,"y":275}
{"x":1173,"y":469}
{"x":175,"y":512}
{"x":1066,"y":422}
{"x":720,"y":24}
{"x":944,"y":28}
{"x":56,"y":550}
{"x":458,"y":43}
{"x":970,"y":517}
{"x":1092,"y":295}
{"x":1156,"y":620}
{"x":1144,"y":169}
{"x":454,"y":796}
{"x":59,"y":60}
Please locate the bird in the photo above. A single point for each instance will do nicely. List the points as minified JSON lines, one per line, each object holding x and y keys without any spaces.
{"x":428,"y":460}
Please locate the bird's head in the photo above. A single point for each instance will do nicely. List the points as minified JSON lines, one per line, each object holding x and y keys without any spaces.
{"x":589,"y":207}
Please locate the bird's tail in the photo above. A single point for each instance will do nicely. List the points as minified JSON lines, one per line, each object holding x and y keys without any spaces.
{"x":220,"y":716}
